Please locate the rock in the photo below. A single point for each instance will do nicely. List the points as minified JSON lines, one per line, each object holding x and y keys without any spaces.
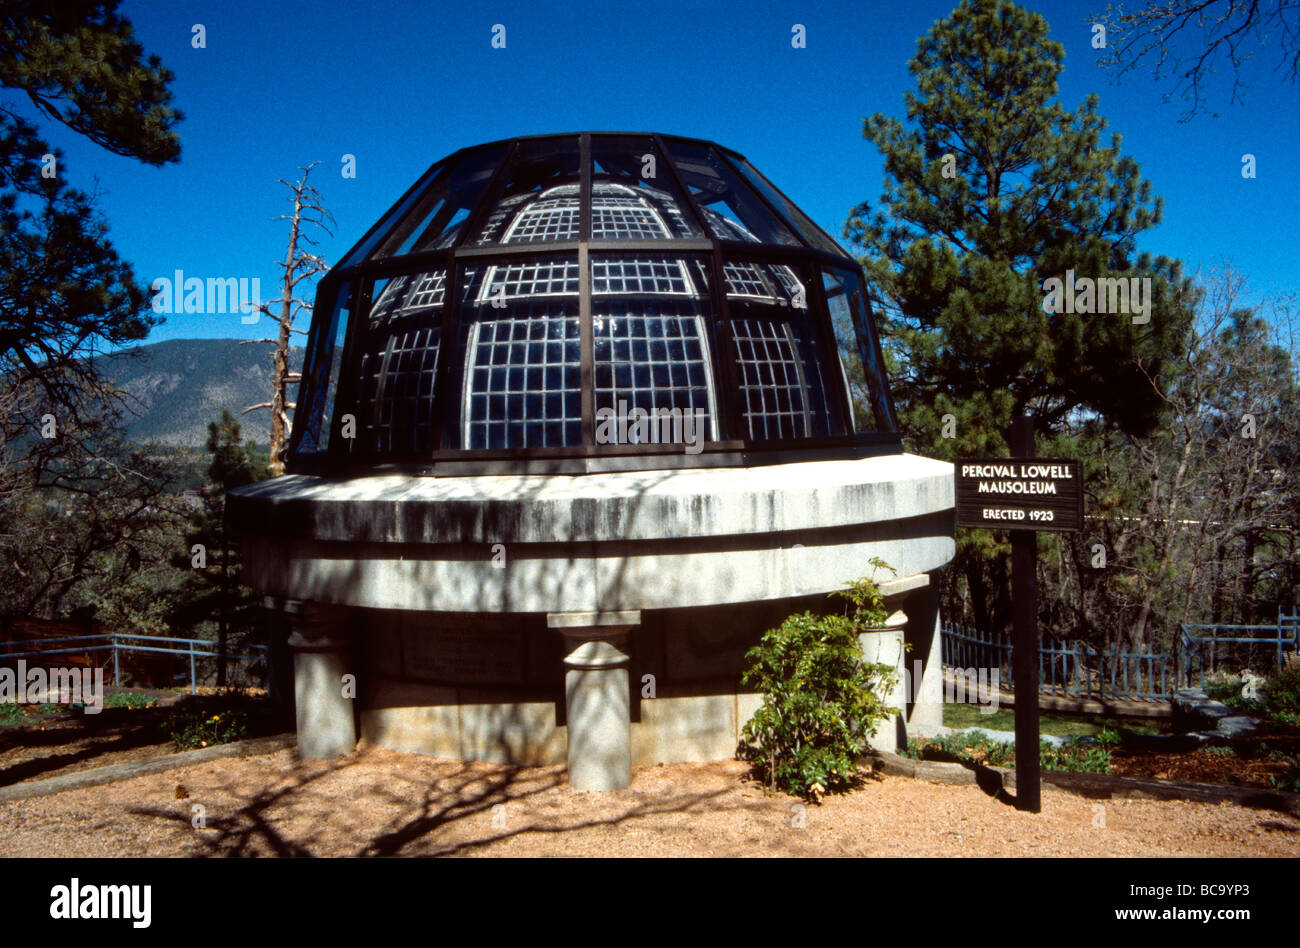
{"x":1194,"y":710}
{"x":1006,"y":737}
{"x":1237,"y":725}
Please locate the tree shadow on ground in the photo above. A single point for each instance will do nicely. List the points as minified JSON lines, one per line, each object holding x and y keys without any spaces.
{"x":442,"y":801}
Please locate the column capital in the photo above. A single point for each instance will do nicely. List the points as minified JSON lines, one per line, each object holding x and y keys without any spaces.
{"x":313,"y":626}
{"x":603,"y":650}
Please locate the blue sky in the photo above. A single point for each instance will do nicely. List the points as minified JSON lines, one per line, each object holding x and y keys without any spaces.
{"x":401,"y":84}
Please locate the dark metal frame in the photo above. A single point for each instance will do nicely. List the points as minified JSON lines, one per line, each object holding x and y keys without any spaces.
{"x":732,"y":448}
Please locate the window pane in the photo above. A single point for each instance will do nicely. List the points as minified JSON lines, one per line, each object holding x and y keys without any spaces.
{"x":436,"y":219}
{"x":320,"y":380}
{"x":653,"y":373}
{"x":782,"y":393}
{"x":544,"y":169}
{"x":859,"y":350}
{"x":521,"y":355}
{"x":633,"y":194}
{"x":399,"y":365}
{"x":728,"y":205}
{"x":791,"y":214}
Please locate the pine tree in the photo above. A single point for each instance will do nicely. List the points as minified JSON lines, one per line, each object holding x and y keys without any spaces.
{"x":993,"y":189}
{"x":64,"y":292}
{"x":216,"y":587}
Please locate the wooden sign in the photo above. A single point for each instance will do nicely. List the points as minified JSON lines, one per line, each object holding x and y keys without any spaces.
{"x":1025,"y":494}
{"x":1019,"y":493}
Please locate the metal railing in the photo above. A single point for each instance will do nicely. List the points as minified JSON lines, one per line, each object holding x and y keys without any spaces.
{"x":1079,"y":669}
{"x":112,"y":642}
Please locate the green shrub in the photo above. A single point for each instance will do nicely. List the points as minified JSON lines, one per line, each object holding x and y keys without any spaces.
{"x":1074,"y":757}
{"x":1223,"y":687}
{"x":1289,"y":779}
{"x":820,"y":700}
{"x":1108,"y":738}
{"x":10,"y":712}
{"x":1281,"y":698}
{"x":1217,"y":751}
{"x":980,"y":749}
{"x":191,"y":728}
{"x":974,"y":746}
{"x":129,"y":699}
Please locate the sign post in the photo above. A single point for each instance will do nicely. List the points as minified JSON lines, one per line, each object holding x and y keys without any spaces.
{"x":1024,"y":649}
{"x":1023,"y":494}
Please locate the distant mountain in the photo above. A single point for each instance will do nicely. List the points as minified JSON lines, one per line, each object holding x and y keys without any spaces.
{"x":175,"y":388}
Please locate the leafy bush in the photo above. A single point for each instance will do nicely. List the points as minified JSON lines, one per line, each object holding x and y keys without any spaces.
{"x":191,"y":728}
{"x":820,"y":700}
{"x":1108,"y":738}
{"x":1289,"y":779}
{"x":978,"y":748}
{"x":1075,"y":757}
{"x":1217,"y":751}
{"x":974,"y":746}
{"x":10,"y":712}
{"x":1281,"y":697}
{"x":129,"y":699}
{"x":1223,"y":687}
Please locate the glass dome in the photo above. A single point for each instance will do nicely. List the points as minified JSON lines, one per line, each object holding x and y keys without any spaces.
{"x":590,"y":301}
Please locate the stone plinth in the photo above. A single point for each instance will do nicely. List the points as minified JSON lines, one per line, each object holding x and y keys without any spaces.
{"x":596,"y":697}
{"x":321,"y":650}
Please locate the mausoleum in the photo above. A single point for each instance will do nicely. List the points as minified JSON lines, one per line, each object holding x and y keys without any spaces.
{"x":581,"y":416}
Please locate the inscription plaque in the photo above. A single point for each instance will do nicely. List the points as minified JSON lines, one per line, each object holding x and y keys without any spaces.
{"x":474,"y":650}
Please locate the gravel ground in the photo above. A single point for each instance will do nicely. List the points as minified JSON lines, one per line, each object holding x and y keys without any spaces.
{"x":380,"y":802}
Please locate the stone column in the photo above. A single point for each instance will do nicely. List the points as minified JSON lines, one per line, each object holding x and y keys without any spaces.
{"x":596,"y":696}
{"x":925,"y":663}
{"x":321,"y":649}
{"x":884,"y":646}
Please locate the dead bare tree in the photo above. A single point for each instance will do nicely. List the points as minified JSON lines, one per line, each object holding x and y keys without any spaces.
{"x":1197,"y":521}
{"x":299,"y":264}
{"x":1164,"y":34}
{"x":1216,"y":523}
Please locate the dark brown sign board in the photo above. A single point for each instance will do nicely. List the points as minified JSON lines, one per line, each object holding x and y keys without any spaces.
{"x":1025,"y":494}
{"x":1019,"y":493}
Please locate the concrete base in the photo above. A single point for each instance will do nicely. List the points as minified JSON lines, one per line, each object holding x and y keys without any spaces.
{"x":464,"y":724}
{"x":596,"y":698}
{"x":443,"y":721}
{"x":321,"y":658}
{"x":615,"y":541}
{"x":884,"y":646}
{"x":675,"y":721}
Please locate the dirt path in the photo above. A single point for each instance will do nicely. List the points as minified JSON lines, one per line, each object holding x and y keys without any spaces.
{"x":377,"y":801}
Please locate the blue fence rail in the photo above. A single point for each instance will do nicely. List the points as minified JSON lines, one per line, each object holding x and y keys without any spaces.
{"x":1078,"y":669}
{"x":116,"y":643}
